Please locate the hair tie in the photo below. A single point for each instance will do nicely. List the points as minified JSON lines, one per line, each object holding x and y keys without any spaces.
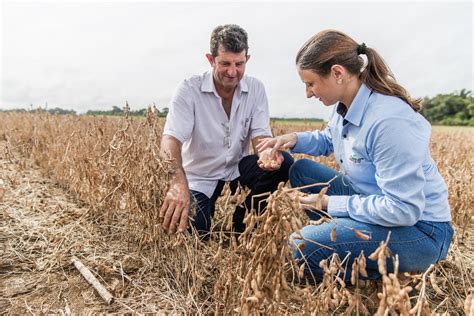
{"x":361,"y":49}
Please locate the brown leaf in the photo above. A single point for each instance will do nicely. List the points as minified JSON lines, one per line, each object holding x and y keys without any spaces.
{"x":252,"y":299}
{"x":374,"y":255}
{"x":362,"y":264}
{"x":361,"y":235}
{"x":301,"y":270}
{"x":318,"y":204}
{"x":354,"y":272}
{"x":320,"y":221}
{"x":333,"y":235}
{"x":2,"y":193}
{"x":434,"y":284}
{"x":301,"y":246}
{"x":322,"y":192}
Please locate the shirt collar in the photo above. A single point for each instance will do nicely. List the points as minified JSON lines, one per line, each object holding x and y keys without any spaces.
{"x":358,"y":107}
{"x":208,"y":84}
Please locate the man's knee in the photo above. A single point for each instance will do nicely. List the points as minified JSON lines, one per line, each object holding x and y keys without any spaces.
{"x":200,"y":212}
{"x":247,"y":164}
{"x":288,"y":161}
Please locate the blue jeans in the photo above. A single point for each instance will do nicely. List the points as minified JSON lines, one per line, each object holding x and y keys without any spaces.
{"x":251,"y":176}
{"x":417,"y":246}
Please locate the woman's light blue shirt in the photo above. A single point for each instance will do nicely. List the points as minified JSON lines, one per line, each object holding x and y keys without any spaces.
{"x":382,"y":147}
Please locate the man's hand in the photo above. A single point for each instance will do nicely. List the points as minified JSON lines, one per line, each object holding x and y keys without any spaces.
{"x":175,"y":209}
{"x":269,"y":161}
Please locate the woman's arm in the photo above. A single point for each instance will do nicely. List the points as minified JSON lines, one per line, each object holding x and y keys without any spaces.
{"x":397,"y":147}
{"x":315,"y":143}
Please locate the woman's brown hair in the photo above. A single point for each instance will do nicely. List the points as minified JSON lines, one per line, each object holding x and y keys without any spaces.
{"x":330,"y":47}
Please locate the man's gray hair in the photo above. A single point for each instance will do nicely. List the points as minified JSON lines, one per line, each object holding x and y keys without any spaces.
{"x":230,"y":37}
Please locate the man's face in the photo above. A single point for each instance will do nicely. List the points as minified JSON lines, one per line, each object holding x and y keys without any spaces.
{"x":228,"y":68}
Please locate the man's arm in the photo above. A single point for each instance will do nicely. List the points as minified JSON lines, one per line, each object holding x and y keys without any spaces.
{"x":255,"y":142}
{"x":175,"y":209}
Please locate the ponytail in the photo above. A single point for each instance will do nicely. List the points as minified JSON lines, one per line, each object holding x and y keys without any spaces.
{"x":378,"y":77}
{"x":331,"y":47}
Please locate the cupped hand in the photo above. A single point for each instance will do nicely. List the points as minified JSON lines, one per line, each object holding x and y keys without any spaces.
{"x":269,"y":161}
{"x":175,"y":209}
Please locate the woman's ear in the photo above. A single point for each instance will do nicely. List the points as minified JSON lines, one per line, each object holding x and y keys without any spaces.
{"x":338,"y":73}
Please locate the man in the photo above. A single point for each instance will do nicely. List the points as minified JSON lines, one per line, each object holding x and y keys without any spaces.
{"x":213,"y":118}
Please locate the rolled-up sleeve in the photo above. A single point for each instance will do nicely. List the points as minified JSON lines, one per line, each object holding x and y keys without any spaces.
{"x":180,"y":119}
{"x":397,"y":149}
{"x":260,"y":121}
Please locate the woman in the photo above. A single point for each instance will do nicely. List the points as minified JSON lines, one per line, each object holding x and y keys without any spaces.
{"x":387,"y":181}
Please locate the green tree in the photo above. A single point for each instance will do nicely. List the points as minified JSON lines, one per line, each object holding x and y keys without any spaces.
{"x":450,"y":109}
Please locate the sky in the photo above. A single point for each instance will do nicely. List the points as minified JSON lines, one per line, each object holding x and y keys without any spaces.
{"x":91,"y":55}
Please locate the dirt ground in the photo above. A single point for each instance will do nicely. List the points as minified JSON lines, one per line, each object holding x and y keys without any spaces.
{"x":41,"y":226}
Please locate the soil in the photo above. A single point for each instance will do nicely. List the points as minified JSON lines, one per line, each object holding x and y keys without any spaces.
{"x":41,"y":226}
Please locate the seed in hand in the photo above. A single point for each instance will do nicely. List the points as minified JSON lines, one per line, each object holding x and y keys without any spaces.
{"x":269,"y":163}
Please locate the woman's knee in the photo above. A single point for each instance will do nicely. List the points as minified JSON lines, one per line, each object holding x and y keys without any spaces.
{"x":304,"y":172}
{"x":311,"y":244}
{"x":305,"y":252}
{"x":298,"y":172}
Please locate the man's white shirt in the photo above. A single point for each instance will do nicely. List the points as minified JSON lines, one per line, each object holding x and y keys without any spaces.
{"x":213,"y":144}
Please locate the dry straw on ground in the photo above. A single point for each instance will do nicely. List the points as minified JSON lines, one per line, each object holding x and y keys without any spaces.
{"x":115,"y":180}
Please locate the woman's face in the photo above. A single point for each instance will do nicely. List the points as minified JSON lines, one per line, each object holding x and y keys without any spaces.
{"x":325,"y":89}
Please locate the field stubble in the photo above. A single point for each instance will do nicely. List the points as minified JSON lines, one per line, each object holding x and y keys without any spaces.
{"x":115,"y":182}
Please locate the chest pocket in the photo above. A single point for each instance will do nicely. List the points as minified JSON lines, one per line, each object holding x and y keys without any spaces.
{"x":359,"y":169}
{"x":245,"y":127}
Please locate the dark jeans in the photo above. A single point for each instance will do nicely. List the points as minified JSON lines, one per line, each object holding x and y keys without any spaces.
{"x":252,"y":176}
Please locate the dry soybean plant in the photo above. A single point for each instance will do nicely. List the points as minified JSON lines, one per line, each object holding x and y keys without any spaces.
{"x":113,"y":166}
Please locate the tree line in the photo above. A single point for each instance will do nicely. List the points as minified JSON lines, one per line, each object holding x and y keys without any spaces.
{"x":57,"y":110}
{"x":456,"y":108}
{"x":116,"y":111}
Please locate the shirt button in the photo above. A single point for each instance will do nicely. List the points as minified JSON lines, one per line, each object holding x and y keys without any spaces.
{"x":341,"y":160}
{"x":344,"y":135}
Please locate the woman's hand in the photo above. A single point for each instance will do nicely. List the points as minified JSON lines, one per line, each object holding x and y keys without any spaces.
{"x":311,"y":199}
{"x":282,"y":142}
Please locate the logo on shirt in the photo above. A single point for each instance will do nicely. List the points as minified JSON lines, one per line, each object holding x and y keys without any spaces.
{"x":355,"y":159}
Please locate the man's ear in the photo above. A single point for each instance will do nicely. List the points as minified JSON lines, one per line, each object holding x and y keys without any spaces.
{"x":338,"y":71}
{"x":210,"y":58}
{"x":248,"y":57}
